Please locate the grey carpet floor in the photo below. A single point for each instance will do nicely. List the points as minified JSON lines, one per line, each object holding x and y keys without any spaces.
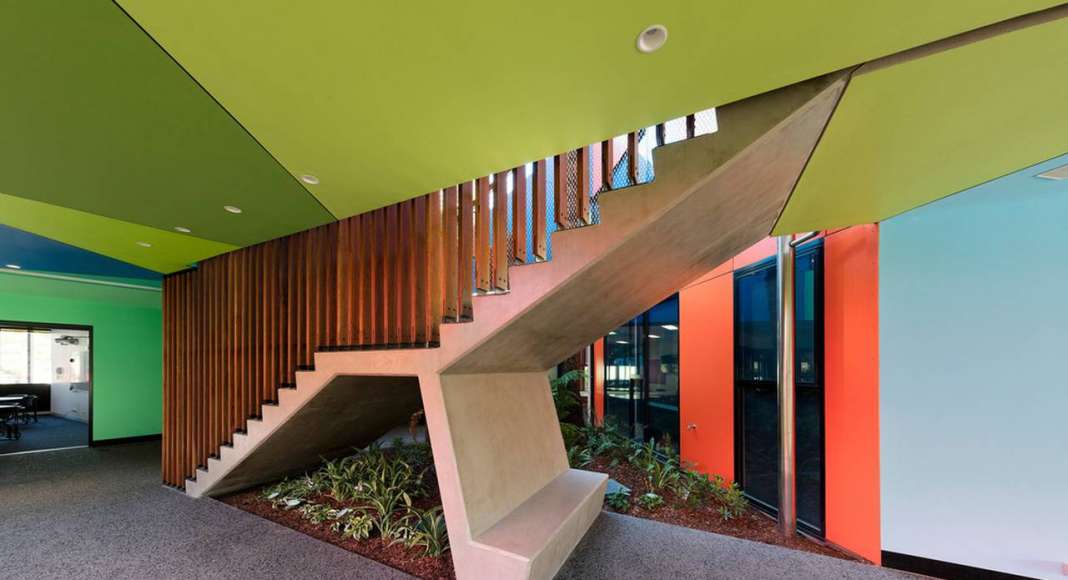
{"x":623,"y":547}
{"x":47,"y":433}
{"x":101,"y":513}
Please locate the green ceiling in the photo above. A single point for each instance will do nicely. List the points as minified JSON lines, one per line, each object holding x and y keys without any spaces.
{"x":97,"y":118}
{"x":914,"y":132}
{"x":383,"y":102}
{"x":115,"y":143}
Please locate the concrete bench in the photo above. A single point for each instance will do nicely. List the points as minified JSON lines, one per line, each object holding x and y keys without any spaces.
{"x":535,"y":539}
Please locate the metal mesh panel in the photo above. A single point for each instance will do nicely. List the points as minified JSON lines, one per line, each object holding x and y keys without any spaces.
{"x":705,"y":122}
{"x":646,"y":143}
{"x":674,"y":130}
{"x":571,"y":216}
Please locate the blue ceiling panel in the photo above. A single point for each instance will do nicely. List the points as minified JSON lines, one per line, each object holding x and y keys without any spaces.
{"x":36,"y":253}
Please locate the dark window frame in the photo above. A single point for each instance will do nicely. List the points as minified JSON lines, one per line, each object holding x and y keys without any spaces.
{"x":21,"y":324}
{"x":809,"y":248}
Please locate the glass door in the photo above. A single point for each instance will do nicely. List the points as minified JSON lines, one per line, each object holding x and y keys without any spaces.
{"x":641,"y":375}
{"x":755,"y":375}
{"x":623,"y":378}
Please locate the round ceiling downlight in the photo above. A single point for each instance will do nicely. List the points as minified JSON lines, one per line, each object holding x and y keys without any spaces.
{"x":182,"y":229}
{"x":232,"y":208}
{"x":652,"y":38}
{"x":309,"y":179}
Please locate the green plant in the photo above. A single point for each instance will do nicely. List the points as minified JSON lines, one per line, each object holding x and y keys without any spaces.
{"x":341,"y":477}
{"x":651,"y":501}
{"x":661,"y":466}
{"x":563,"y":397}
{"x":734,"y":502}
{"x":317,"y":513}
{"x":430,"y":532}
{"x":354,"y":525}
{"x":579,"y":456}
{"x":290,"y":493}
{"x":573,"y":434}
{"x":618,"y":500}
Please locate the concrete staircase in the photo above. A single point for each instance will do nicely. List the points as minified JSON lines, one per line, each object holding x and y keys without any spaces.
{"x":514,"y":509}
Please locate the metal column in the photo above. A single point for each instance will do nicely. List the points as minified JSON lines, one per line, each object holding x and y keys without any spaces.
{"x":787,"y":411}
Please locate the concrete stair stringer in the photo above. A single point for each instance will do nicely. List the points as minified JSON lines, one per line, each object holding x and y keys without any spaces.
{"x":513,"y":507}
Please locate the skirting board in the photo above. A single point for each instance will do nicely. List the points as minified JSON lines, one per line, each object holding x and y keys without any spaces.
{"x":124,"y":440}
{"x":941,"y":569}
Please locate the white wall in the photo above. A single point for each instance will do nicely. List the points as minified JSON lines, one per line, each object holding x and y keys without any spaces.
{"x":68,"y":403}
{"x":974,"y":393}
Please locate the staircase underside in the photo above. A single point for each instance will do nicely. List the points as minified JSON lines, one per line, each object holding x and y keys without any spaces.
{"x":348,"y":412}
{"x":512,"y":505}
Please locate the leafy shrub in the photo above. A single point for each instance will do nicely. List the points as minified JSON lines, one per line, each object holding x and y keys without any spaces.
{"x":618,"y":500}
{"x":663,"y":469}
{"x":661,"y":466}
{"x":353,"y":524}
{"x":290,"y":493}
{"x":430,"y":533}
{"x":578,"y":456}
{"x":563,"y":397}
{"x":733,"y":500}
{"x":342,"y":476}
{"x":573,"y":435}
{"x":382,"y":483}
{"x":651,"y":501}
{"x":317,"y":513}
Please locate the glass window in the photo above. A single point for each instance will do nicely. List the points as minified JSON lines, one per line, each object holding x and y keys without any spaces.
{"x":805,"y":298}
{"x":756,"y":324}
{"x":14,"y":356}
{"x":25,"y":356}
{"x":641,"y":374}
{"x":662,"y":370}
{"x":622,"y":375}
{"x":41,"y":357}
{"x":756,"y":314}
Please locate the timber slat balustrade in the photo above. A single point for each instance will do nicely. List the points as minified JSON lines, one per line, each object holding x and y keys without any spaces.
{"x":241,"y":325}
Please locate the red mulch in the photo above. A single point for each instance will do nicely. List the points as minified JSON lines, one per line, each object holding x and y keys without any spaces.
{"x":410,"y":560}
{"x":752,"y":525}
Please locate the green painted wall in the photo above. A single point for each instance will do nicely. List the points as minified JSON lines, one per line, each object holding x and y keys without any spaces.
{"x":127,"y":348}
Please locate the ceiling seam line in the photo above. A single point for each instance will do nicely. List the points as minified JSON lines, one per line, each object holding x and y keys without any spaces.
{"x":224,"y":109}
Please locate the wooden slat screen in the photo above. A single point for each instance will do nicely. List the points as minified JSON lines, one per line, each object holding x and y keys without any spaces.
{"x":241,"y":325}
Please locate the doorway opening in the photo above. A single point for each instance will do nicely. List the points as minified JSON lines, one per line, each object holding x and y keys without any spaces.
{"x":46,"y":381}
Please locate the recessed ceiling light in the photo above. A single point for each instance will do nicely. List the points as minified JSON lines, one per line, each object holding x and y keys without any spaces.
{"x":1055,"y":174}
{"x":144,"y":244}
{"x":309,"y":179}
{"x":669,"y":327}
{"x":182,"y":229}
{"x":652,"y":38}
{"x":13,"y":266}
{"x":654,"y":336}
{"x":232,"y":208}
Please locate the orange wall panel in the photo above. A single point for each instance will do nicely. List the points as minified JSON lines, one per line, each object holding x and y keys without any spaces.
{"x":851,"y":393}
{"x":706,"y":359}
{"x":597,"y":372}
{"x":755,"y":253}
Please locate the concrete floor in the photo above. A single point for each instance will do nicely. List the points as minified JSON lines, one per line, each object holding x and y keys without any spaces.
{"x":624,"y":547}
{"x":102,"y":513}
